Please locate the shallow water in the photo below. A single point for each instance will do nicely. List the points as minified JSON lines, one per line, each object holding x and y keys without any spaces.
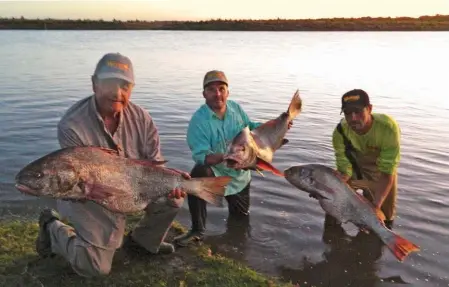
{"x":43,"y":72}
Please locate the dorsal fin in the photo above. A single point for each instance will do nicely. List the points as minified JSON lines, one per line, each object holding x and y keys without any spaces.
{"x":377,"y":211}
{"x":149,"y":162}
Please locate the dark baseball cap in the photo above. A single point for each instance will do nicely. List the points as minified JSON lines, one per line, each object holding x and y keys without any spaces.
{"x":354,"y":100}
{"x":115,"y":65}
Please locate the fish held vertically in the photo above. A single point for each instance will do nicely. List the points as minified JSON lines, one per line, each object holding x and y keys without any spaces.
{"x":255,"y":149}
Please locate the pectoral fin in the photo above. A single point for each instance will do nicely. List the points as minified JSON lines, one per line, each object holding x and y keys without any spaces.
{"x":259,"y":172}
{"x":94,"y":191}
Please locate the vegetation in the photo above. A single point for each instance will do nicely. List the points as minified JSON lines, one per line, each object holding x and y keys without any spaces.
{"x":423,"y":23}
{"x":194,"y":266}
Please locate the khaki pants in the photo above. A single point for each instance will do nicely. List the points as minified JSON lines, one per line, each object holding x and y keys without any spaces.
{"x":84,"y":251}
{"x":389,"y":205}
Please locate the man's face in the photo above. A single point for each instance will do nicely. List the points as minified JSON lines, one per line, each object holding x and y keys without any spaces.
{"x":216,"y":95}
{"x":112,"y":94}
{"x":358,"y":118}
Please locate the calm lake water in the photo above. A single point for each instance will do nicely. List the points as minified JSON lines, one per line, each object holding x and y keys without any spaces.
{"x":42,"y":73}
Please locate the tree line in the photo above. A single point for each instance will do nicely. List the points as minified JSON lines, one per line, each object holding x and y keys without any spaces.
{"x":423,"y":23}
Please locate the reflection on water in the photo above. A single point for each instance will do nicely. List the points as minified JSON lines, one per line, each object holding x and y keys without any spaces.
{"x":234,"y":239}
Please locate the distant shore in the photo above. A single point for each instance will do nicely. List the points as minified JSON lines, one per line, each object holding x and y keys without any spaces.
{"x":423,"y":23}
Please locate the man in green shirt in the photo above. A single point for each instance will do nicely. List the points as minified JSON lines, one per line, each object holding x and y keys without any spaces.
{"x":369,"y":160}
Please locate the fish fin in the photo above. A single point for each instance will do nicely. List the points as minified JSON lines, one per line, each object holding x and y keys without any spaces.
{"x":284,"y":141}
{"x":379,"y":213}
{"x":263,"y":165}
{"x":107,"y":150}
{"x":210,"y":189}
{"x":96,"y":191}
{"x":259,"y":172}
{"x":295,"y":106}
{"x":149,"y":162}
{"x":401,"y":247}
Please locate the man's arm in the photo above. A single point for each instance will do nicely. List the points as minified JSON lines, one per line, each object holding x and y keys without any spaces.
{"x":152,"y":143}
{"x":199,"y":144}
{"x":344,"y":166}
{"x":387,"y":163}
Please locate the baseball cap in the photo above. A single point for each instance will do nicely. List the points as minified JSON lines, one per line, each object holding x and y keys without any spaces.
{"x":214,"y":76}
{"x":115,"y":65}
{"x":355,"y":99}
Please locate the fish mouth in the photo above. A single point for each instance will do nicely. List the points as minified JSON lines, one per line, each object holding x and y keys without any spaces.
{"x":231,"y":162}
{"x":25,"y":189}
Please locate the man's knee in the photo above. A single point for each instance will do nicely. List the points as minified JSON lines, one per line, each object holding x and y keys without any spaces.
{"x":200,"y":170}
{"x":91,"y":261}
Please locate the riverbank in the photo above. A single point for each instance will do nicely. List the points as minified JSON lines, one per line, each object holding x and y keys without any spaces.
{"x":423,"y":23}
{"x":193,"y":266}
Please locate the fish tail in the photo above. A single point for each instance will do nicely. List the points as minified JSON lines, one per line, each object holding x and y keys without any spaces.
{"x":400,"y":246}
{"x":210,"y":189}
{"x":295,"y":106}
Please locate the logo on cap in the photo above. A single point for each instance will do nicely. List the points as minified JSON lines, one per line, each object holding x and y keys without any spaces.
{"x":118,"y":65}
{"x":351,"y":98}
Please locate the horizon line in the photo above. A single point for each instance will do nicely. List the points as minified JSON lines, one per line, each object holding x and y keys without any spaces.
{"x":227,"y":19}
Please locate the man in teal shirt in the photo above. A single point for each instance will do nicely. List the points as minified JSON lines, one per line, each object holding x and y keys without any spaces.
{"x":211,"y":128}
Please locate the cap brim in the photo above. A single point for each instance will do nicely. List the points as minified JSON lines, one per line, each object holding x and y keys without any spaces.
{"x":115,"y":76}
{"x":353,"y":108}
{"x":214,"y":81}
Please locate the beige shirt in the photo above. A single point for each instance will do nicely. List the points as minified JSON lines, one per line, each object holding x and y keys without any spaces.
{"x":136,"y":137}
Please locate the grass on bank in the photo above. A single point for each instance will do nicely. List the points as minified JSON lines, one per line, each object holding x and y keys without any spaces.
{"x":192,"y":266}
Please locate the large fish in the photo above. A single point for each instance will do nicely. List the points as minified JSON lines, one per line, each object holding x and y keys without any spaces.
{"x":254,"y":149}
{"x":119,"y":184}
{"x":339,"y":200}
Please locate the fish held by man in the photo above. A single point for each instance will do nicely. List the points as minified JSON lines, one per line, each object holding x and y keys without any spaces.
{"x":255,"y":149}
{"x":119,"y":184}
{"x":340,"y":201}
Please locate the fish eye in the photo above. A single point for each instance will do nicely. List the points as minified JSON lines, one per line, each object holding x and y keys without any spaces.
{"x":38,"y":174}
{"x":310,"y":180}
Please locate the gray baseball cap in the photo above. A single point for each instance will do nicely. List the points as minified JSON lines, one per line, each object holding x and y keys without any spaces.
{"x":115,"y":65}
{"x":214,"y":76}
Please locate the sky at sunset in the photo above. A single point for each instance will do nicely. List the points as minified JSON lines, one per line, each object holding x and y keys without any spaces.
{"x":229,"y":9}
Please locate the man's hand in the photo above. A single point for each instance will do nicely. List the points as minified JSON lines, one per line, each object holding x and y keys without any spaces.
{"x":290,"y":124}
{"x":177,"y":193}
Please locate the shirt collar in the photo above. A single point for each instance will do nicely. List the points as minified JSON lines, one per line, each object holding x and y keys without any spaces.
{"x":213,"y":115}
{"x":93,"y":105}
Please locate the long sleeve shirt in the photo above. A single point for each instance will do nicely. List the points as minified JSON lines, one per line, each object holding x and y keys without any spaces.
{"x":208,"y":134}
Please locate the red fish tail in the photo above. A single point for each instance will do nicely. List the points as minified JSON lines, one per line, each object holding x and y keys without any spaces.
{"x":210,"y":189}
{"x":401,"y":247}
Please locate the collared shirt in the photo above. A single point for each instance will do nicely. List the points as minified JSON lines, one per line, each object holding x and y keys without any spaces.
{"x":208,"y":134}
{"x":136,"y":137}
{"x":383,"y":139}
